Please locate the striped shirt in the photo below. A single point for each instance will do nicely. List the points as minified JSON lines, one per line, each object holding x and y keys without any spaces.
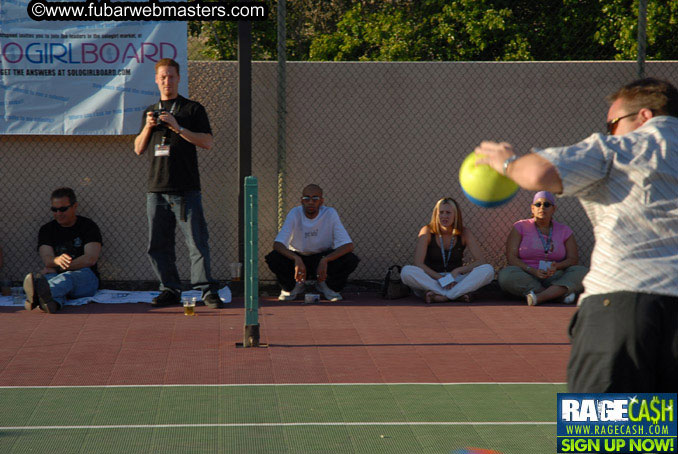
{"x":628,"y":186}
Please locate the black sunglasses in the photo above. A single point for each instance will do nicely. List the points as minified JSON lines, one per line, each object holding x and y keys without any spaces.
{"x":612,"y":124}
{"x":546,"y":204}
{"x":306,"y":198}
{"x":61,"y":209}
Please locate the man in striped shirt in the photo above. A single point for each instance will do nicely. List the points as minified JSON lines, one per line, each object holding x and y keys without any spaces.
{"x":625,"y":334}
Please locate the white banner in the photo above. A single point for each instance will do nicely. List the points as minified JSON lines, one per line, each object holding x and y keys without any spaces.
{"x":81,"y":78}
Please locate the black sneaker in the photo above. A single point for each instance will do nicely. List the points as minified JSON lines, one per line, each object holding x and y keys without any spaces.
{"x":212,"y":300}
{"x":38,"y":293}
{"x":166,"y":298}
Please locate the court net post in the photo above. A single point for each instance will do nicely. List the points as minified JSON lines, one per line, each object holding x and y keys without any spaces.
{"x":251,"y":262}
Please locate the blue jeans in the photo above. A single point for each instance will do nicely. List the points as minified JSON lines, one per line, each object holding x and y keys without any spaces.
{"x":164,"y":211}
{"x":72,"y":284}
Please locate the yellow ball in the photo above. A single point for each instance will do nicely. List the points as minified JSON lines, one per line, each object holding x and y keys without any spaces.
{"x":483,"y":185}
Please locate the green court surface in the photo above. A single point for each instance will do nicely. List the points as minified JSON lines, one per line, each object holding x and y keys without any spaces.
{"x":244,"y":419}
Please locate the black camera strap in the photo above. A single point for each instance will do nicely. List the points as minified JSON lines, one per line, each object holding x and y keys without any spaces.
{"x":173,"y":110}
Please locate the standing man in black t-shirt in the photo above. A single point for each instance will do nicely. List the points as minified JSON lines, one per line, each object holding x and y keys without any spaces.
{"x":69,"y":246}
{"x":170,"y":131}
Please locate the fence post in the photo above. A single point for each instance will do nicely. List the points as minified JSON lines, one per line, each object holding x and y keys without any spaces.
{"x":642,"y":37}
{"x":282,"y":108}
{"x":244,"y":119}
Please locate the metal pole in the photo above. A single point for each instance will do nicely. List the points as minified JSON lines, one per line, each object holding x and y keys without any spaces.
{"x":244,"y":121}
{"x":282,"y":108}
{"x":251,"y":208}
{"x":642,"y":36}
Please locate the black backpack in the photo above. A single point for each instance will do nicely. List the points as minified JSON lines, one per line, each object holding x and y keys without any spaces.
{"x":393,"y":287}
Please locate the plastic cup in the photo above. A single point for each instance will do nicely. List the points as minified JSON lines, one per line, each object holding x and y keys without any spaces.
{"x":236,"y":271}
{"x":189,"y":305}
{"x":18,"y":296}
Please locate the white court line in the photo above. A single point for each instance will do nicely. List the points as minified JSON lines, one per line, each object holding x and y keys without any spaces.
{"x":286,"y":424}
{"x":233,"y":385}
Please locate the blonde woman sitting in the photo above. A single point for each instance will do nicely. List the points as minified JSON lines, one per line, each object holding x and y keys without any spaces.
{"x":438,"y":274}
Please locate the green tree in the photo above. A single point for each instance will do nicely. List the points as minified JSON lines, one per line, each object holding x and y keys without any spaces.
{"x":305,"y":20}
{"x":221,"y":38}
{"x":481,"y":30}
{"x":449,"y":30}
{"x":387,"y":34}
{"x":620,"y":29}
{"x":661,"y":41}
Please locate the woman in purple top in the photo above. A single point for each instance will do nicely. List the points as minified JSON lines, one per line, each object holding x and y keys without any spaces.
{"x":542,"y":257}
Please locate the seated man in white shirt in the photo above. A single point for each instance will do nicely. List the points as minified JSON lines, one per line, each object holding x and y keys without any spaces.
{"x":312,"y":245}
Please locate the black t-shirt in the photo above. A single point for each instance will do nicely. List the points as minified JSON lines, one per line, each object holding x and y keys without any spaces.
{"x":177,"y":172}
{"x":434,"y":257}
{"x":70,"y":240}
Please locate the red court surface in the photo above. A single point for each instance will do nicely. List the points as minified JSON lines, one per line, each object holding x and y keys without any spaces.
{"x":362,"y":339}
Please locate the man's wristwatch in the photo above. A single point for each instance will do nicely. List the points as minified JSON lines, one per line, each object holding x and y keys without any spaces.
{"x":509,"y":161}
{"x":181,"y":129}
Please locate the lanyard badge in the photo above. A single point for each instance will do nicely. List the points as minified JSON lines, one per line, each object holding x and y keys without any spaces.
{"x":548,"y":243}
{"x":163,"y":149}
{"x":446,"y":259}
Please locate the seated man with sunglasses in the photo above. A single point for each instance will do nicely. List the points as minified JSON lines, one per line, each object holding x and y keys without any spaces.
{"x":69,"y":246}
{"x":312,"y":245}
{"x":542,"y":257}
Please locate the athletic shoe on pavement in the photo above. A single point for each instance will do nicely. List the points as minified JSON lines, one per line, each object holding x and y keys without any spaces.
{"x":329,"y":294}
{"x":38,"y":293}
{"x":212,"y":300}
{"x":531,"y":299}
{"x":31,"y":297}
{"x":298,"y":289}
{"x":166,"y":298}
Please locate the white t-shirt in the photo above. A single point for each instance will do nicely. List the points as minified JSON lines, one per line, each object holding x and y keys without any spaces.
{"x":310,"y":236}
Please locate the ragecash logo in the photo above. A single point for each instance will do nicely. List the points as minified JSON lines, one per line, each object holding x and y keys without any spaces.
{"x":617,"y":423}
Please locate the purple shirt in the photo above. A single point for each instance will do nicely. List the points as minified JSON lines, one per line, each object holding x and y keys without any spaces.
{"x":531,"y":249}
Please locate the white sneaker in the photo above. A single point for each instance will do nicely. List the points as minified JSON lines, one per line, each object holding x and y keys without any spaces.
{"x":329,"y":294}
{"x":570,"y":298}
{"x":531,"y":299}
{"x":298,"y":289}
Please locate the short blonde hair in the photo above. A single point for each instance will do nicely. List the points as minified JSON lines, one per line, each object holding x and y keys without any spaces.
{"x":434,"y":225}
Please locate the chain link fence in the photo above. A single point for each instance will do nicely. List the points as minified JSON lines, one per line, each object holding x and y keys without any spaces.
{"x":384,"y":140}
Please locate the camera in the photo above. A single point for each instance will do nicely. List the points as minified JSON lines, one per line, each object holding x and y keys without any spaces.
{"x":157,"y":113}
